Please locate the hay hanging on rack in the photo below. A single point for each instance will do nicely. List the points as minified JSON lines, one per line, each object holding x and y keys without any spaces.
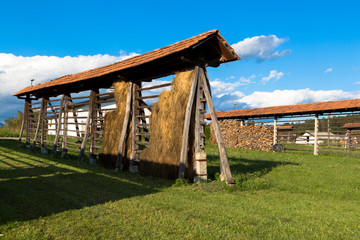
{"x":113,"y":124}
{"x":162,"y":157}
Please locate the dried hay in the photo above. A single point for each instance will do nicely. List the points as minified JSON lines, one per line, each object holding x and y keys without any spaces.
{"x":162,"y":157}
{"x":112,"y":129}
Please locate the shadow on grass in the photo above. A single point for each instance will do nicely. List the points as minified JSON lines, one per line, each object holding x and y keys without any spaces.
{"x":241,"y":166}
{"x":33,"y":185}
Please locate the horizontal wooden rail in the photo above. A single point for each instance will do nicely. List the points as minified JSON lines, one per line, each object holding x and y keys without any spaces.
{"x":154,"y":87}
{"x":147,"y":97}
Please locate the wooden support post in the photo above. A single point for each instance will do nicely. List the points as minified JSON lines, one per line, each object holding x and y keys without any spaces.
{"x":75,"y":120}
{"x":224,"y":162}
{"x":134,"y":161}
{"x":23,"y":123}
{"x":328,"y":127}
{"x":87,"y":126}
{"x":185,"y":136}
{"x":121,"y":151}
{"x":316,"y":129}
{"x":27,"y":122}
{"x":43,"y":114}
{"x":275,"y":131}
{"x":58,"y":126}
{"x":65,"y":127}
{"x":200,"y":163}
{"x":93,"y":141}
{"x":37,"y":127}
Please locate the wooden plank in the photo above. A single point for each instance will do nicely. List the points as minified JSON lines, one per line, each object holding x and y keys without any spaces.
{"x":147,"y":97}
{"x":27,"y":115}
{"x":93,"y":112}
{"x":37,"y":130}
{"x":43,"y":122}
{"x":186,"y":129}
{"x":87,"y":127}
{"x":125,"y":126}
{"x":75,"y":118}
{"x":65,"y":125}
{"x":275,"y":137}
{"x":58,"y":127}
{"x":316,"y":139}
{"x":224,"y":162}
{"x":134,"y":128}
{"x":143,"y":143}
{"x":22,"y":124}
{"x":154,"y":87}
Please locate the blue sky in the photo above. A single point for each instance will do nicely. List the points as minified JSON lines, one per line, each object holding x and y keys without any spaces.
{"x":310,"y":49}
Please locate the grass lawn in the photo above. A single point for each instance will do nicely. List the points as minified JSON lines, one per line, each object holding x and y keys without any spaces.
{"x":277,"y":196}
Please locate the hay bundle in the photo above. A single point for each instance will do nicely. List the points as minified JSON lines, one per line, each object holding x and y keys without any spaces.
{"x":162,"y":157}
{"x":112,"y":129}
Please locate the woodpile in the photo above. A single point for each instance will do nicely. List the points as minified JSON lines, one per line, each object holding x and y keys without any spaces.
{"x":255,"y":137}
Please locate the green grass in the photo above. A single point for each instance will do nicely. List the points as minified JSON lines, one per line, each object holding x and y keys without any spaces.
{"x":6,"y":132}
{"x":277,"y":196}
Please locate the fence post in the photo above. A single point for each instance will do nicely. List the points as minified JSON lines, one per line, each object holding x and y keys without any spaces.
{"x":275,"y":130}
{"x":316,"y":129}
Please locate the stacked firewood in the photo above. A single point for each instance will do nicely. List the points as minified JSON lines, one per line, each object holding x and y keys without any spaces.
{"x":256,"y":137}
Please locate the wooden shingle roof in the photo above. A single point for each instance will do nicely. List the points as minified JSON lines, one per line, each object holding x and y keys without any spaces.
{"x":287,"y":110}
{"x":210,"y":46}
{"x":352,"y":125}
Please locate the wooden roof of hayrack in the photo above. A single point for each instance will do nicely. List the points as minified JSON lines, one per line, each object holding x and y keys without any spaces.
{"x":210,"y":46}
{"x":290,"y":110}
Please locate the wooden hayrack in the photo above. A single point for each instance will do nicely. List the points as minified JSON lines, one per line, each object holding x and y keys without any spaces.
{"x":207,"y":49}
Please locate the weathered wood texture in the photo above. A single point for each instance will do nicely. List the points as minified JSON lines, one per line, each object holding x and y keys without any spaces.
{"x":87,"y":126}
{"x":316,"y":139}
{"x":225,"y":172}
{"x":58,"y":127}
{"x":121,"y":149}
{"x":254,"y":137}
{"x":185,"y":136}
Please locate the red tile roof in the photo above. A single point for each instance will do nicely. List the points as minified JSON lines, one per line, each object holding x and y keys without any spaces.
{"x":286,"y":127}
{"x":227,"y":54}
{"x":352,"y":125}
{"x":286,"y":110}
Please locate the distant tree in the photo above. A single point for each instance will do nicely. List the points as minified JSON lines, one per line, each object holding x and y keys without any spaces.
{"x":14,"y":123}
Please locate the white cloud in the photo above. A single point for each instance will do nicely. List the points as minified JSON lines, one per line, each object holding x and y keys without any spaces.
{"x":219,"y":88}
{"x":328,"y":70}
{"x":281,"y":97}
{"x":16,"y":71}
{"x":356,"y":82}
{"x":260,"y":47}
{"x":273,"y":75}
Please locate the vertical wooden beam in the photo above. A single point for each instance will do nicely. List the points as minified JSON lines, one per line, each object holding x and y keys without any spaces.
{"x":224,"y":162}
{"x":134,"y":129}
{"x":316,"y":129}
{"x":43,"y":112}
{"x":121,"y":151}
{"x":38,"y":126}
{"x":275,"y":131}
{"x":65,"y":127}
{"x":200,"y":163}
{"x":328,"y":127}
{"x":87,"y":126}
{"x":186,"y":129}
{"x":75,"y":119}
{"x":58,"y":127}
{"x":93,"y":141}
{"x":27,"y":122}
{"x":22,"y":123}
